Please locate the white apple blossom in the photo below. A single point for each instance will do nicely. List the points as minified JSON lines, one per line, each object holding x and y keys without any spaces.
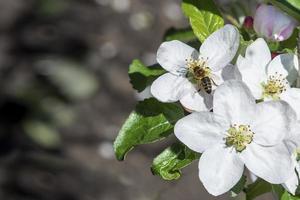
{"x":269,"y":79}
{"x":293,"y":181}
{"x":182,"y":82}
{"x":292,"y":141}
{"x":273,"y":24}
{"x":239,"y":132}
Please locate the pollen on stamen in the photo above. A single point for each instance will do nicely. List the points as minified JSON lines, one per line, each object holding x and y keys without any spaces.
{"x":197,"y":68}
{"x":275,"y":85}
{"x":238,"y":137}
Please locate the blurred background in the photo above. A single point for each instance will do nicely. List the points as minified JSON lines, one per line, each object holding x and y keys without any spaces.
{"x":64,"y":94}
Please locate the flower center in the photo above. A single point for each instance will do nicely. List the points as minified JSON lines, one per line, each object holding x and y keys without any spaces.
{"x":274,"y":86}
{"x":197,"y":69}
{"x":239,"y":136}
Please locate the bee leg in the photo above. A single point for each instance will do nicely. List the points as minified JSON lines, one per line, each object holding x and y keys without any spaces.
{"x":197,"y":91}
{"x":214,"y":82}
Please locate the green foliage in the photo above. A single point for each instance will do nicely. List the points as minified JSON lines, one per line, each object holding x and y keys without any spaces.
{"x":238,"y":188}
{"x":278,"y":190}
{"x":291,"y":7}
{"x":168,"y":164}
{"x":288,"y":196}
{"x":204,"y":17}
{"x":242,"y":49}
{"x":150,"y":122}
{"x":184,"y":35}
{"x":142,"y":76}
{"x":290,"y":44}
{"x":283,"y":194}
{"x":257,"y":188}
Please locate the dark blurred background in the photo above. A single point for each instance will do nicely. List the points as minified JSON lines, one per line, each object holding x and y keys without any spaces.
{"x":64,"y":93}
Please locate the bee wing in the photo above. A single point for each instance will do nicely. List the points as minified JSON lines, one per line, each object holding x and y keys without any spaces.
{"x":199,"y":86}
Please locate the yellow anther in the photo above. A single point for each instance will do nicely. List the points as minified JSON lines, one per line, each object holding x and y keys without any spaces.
{"x":274,"y":86}
{"x":197,"y":68}
{"x":239,"y":136}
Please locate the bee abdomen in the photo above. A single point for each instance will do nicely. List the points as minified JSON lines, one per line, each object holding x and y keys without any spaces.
{"x":206,"y":84}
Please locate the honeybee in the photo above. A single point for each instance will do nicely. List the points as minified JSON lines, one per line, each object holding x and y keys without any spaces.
{"x":200,"y":74}
{"x":203,"y":81}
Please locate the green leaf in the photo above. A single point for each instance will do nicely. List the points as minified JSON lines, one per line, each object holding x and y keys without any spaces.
{"x":291,"y":7}
{"x":238,"y":188}
{"x":168,"y":164}
{"x":257,"y":188}
{"x":288,"y":196}
{"x":150,"y":122}
{"x":184,"y":35}
{"x":242,"y":49}
{"x":142,"y":76}
{"x":278,"y":189}
{"x":204,"y":17}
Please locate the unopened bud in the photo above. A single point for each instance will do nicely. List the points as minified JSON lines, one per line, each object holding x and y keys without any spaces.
{"x":248,"y":22}
{"x":273,"y":24}
{"x":274,"y":54}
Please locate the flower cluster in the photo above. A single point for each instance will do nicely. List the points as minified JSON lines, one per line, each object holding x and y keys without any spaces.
{"x":242,"y":115}
{"x":234,"y":104}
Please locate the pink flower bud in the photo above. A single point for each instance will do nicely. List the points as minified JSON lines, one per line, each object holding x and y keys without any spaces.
{"x":248,"y":22}
{"x":272,"y":24}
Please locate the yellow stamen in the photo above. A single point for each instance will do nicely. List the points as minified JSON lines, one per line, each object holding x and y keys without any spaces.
{"x":197,"y":68}
{"x":239,"y":136}
{"x":275,"y":85}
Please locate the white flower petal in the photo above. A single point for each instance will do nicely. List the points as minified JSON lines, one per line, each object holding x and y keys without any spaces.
{"x":292,"y":140}
{"x":220,"y":47}
{"x":298,"y":167}
{"x":200,"y":130}
{"x":289,"y":63}
{"x":277,"y":65}
{"x":258,"y":52}
{"x":234,"y":102}
{"x":273,"y":121}
{"x":291,"y":184}
{"x":225,"y":74}
{"x":170,"y":88}
{"x":220,"y":169}
{"x":217,"y":78}
{"x":252,"y":75}
{"x":228,"y":73}
{"x":273,"y":164}
{"x":253,"y":177}
{"x":172,"y":55}
{"x":197,"y":101}
{"x":292,"y":97}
